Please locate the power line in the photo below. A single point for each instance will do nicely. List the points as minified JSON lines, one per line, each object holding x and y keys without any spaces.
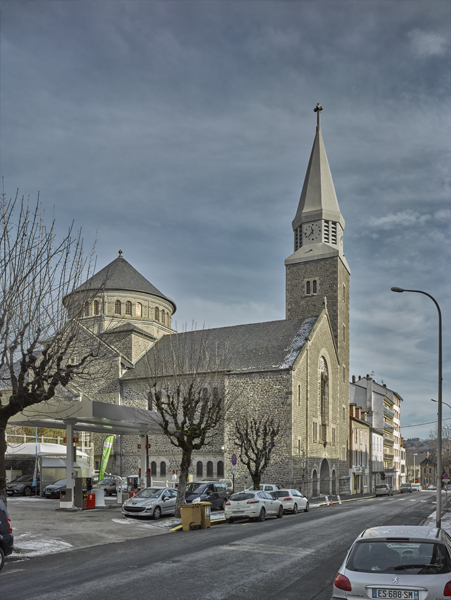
{"x":420,"y":424}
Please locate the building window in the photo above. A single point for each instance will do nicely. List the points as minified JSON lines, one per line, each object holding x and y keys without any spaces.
{"x":220,"y":469}
{"x":86,"y":311}
{"x":199,"y":469}
{"x":150,"y":401}
{"x":138,"y":309}
{"x":314,"y":286}
{"x":308,"y":288}
{"x":299,"y":447}
{"x":324,"y":397}
{"x":333,"y":435}
{"x":96,"y":307}
{"x":128,"y":308}
{"x":118,"y":307}
{"x":157,"y":314}
{"x":153,"y":468}
{"x":315,"y":432}
{"x":344,"y":374}
{"x":163,"y":314}
{"x":344,"y":414}
{"x":334,"y":233}
{"x":344,"y":293}
{"x":326,"y":231}
{"x":298,"y":238}
{"x":209,"y":469}
{"x":299,"y":395}
{"x":162,"y":469}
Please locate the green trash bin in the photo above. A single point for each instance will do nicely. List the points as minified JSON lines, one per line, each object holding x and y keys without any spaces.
{"x":205,"y":515}
{"x":191,"y":515}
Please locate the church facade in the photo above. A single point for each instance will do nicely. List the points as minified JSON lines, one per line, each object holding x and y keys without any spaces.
{"x":296,"y":369}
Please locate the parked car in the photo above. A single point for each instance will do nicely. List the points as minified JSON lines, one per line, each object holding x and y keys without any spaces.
{"x":405,"y":487}
{"x":151,"y":502}
{"x":214,"y":492}
{"x":252,"y":505}
{"x":110,"y":484}
{"x":383,"y":489}
{"x":6,"y":534}
{"x":22,"y":486}
{"x":431,"y":486}
{"x":292,"y":500}
{"x":416,"y":487}
{"x":396,"y":562}
{"x":53,"y":490}
{"x":266,"y":487}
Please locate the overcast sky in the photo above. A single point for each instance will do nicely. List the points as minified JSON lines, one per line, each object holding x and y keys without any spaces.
{"x":180,"y":132}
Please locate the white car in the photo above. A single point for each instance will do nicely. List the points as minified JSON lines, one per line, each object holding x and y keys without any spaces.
{"x":252,"y":505}
{"x":413,"y":563}
{"x":266,"y":487}
{"x":292,"y":500}
{"x":416,"y":487}
{"x":151,"y":502}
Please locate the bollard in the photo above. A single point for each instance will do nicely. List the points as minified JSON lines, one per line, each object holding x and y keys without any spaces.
{"x":339,"y":499}
{"x":326,"y":498}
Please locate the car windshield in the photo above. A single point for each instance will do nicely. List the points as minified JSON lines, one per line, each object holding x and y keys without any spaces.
{"x":396,"y":556}
{"x":60,"y":482}
{"x":281,"y":494}
{"x":105,"y":482}
{"x":195,"y":487}
{"x":149,"y":493}
{"x":24,"y":478}
{"x":241,"y":497}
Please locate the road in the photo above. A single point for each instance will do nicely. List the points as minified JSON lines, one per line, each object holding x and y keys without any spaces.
{"x":280,"y":559}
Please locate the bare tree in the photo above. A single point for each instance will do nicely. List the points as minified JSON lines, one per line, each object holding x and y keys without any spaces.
{"x":37,"y":271}
{"x":256,"y":439}
{"x":187,"y":387}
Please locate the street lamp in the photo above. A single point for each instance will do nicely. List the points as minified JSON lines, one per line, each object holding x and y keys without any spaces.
{"x":438,"y":517}
{"x":414,"y":468}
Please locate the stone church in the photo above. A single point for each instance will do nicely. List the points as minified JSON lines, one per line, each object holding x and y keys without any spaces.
{"x":296,"y":369}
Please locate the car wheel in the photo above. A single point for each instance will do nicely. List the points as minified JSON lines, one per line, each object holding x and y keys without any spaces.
{"x":295,"y":509}
{"x":307,"y":507}
{"x":280,"y":513}
{"x":157,"y":512}
{"x":2,"y":559}
{"x":262,"y":515}
{"x":230,"y":520}
{"x":27,"y":491}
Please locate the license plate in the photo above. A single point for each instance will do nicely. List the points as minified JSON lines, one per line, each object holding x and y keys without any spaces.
{"x":385,"y":593}
{"x":238,"y":512}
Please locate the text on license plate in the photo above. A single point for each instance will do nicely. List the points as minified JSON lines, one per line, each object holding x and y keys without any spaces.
{"x":238,"y":512}
{"x":411,"y":594}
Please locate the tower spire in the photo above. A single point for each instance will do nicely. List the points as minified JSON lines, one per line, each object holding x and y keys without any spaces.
{"x":318,"y":108}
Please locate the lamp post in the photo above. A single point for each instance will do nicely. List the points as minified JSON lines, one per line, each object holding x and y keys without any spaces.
{"x":438,"y":517}
{"x":414,"y":469}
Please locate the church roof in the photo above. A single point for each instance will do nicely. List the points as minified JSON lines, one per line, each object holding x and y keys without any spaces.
{"x":318,"y":199}
{"x":266,"y":346}
{"x":120,"y":275}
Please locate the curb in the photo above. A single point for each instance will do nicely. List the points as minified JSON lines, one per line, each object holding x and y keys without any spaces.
{"x":180,"y":527}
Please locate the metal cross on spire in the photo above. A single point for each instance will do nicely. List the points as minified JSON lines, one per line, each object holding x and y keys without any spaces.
{"x":318,"y":110}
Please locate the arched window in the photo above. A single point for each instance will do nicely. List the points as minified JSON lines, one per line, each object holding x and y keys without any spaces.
{"x":139,"y":309}
{"x":162,"y":316}
{"x":86,"y":310}
{"x":308,"y":287}
{"x":324,"y":397}
{"x":118,"y":307}
{"x":209,"y":469}
{"x":314,"y":286}
{"x":162,"y":469}
{"x":220,"y":469}
{"x":128,"y":308}
{"x":96,"y":307}
{"x":199,"y":469}
{"x":150,"y":401}
{"x":153,"y":468}
{"x":157,"y":314}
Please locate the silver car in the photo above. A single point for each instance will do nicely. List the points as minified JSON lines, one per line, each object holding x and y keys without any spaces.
{"x":151,"y":502}
{"x":412,"y":563}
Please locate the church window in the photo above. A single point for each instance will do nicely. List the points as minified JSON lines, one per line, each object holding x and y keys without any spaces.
{"x":163,"y":314}
{"x":308,"y":288}
{"x":205,"y":394}
{"x":333,"y":435}
{"x":199,"y":469}
{"x":128,"y":308}
{"x":326,"y":231}
{"x":209,"y":469}
{"x":215,"y":394}
{"x":299,"y":447}
{"x":344,"y":332}
{"x":138,"y":309}
{"x":86,"y":311}
{"x":298,"y":238}
{"x":324,"y":397}
{"x":157,"y":314}
{"x":299,"y":395}
{"x":150,"y":401}
{"x":117,"y":307}
{"x":153,"y":468}
{"x":220,"y":469}
{"x":315,"y":432}
{"x":334,"y":233}
{"x":344,"y":293}
{"x":314,"y":286}
{"x":344,"y":374}
{"x":344,"y":414}
{"x":162,"y":469}
{"x":96,"y":307}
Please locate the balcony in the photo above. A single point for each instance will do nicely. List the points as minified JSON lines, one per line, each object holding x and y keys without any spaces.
{"x":388,"y":441}
{"x":388,"y":412}
{"x":388,"y":426}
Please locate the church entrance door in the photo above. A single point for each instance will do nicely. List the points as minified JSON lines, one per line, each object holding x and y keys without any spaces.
{"x":334,"y":483}
{"x":315,"y":484}
{"x":324,"y":486}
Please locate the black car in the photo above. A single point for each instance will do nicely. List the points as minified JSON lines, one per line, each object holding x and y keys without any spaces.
{"x":214,"y":492}
{"x":6,"y":534}
{"x":22,"y":486}
{"x":53,"y":490}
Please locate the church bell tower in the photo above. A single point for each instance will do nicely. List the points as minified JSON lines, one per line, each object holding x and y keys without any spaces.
{"x":317,"y":273}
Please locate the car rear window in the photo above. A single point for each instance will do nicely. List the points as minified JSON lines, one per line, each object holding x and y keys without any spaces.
{"x":195,"y":487}
{"x":400,"y":557}
{"x":281,"y":494}
{"x":241,"y":497}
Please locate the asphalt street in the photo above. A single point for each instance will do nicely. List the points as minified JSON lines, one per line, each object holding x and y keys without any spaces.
{"x":280,"y":559}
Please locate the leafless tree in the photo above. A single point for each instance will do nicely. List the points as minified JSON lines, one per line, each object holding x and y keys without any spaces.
{"x":37,"y":335}
{"x":187,"y":387}
{"x":256,"y":439}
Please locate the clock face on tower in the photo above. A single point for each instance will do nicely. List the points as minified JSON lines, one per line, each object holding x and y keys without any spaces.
{"x":312,"y":232}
